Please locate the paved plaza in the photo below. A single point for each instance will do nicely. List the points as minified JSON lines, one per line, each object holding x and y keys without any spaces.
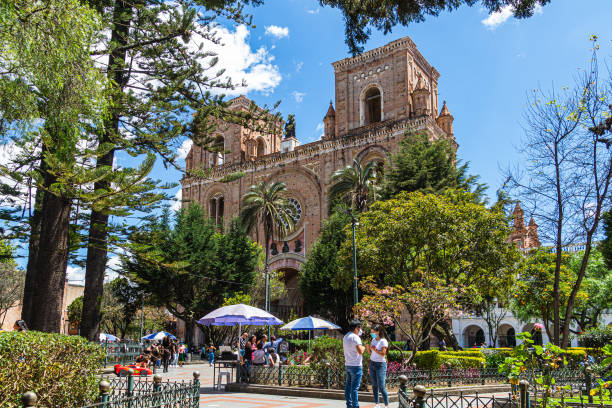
{"x":222,"y":399}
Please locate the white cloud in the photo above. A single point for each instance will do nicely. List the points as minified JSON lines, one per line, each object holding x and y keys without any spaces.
{"x":277,"y":31}
{"x":313,"y":11}
{"x":320,"y":129}
{"x":75,"y":274}
{"x":176,"y":203}
{"x":113,"y":265}
{"x":499,"y":17}
{"x":298,"y":96}
{"x":298,"y":66}
{"x":183,"y":151}
{"x":242,"y":64}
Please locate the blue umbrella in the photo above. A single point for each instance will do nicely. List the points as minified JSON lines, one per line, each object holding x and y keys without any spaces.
{"x":158,"y":336}
{"x":310,"y":323}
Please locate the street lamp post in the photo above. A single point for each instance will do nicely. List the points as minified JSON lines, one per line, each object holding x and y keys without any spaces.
{"x":355,"y":278}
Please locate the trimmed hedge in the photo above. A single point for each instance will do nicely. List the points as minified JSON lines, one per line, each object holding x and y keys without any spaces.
{"x":60,"y":369}
{"x":458,"y":361}
{"x":463,"y":353}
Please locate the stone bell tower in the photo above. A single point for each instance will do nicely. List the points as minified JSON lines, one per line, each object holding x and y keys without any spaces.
{"x":390,"y":83}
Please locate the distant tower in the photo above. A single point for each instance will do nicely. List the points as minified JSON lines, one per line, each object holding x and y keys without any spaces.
{"x":532,"y":241}
{"x":420,"y":98}
{"x":445,"y":121}
{"x":330,"y":122}
{"x":524,"y":237}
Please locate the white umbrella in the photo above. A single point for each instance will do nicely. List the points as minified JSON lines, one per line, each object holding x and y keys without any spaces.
{"x":239,"y":314}
{"x":107,"y":337}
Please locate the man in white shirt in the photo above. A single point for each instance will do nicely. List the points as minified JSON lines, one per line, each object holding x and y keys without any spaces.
{"x":353,"y":354}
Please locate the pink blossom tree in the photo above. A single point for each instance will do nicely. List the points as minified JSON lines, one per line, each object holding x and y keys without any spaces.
{"x":413,"y":310}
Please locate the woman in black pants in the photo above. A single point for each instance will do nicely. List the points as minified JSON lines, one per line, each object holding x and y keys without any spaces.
{"x":166,"y":352}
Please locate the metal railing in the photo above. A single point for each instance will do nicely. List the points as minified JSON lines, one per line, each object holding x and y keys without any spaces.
{"x":325,"y":376}
{"x":136,"y":392}
{"x":120,"y":353}
{"x":522,"y":396}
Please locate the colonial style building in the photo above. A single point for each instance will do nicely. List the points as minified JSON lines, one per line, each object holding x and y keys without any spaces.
{"x":380,"y":96}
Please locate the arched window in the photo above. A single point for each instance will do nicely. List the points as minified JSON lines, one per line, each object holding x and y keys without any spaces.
{"x":261,"y":148}
{"x":218,"y":155}
{"x":373,"y":103}
{"x":216,"y":205}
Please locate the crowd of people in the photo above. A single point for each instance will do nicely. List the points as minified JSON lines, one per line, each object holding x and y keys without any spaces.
{"x":169,"y":352}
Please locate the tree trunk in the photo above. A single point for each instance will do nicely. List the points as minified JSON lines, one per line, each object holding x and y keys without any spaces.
{"x":450,"y":338}
{"x":559,"y":195}
{"x":574,"y":292}
{"x":30,"y":280}
{"x":97,"y":249}
{"x":51,"y":262}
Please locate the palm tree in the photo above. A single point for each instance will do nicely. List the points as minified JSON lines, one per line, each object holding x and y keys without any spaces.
{"x":355,"y":185}
{"x":267,"y":205}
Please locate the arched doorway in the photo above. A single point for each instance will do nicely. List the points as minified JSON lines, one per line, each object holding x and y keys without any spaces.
{"x":473,"y":336}
{"x":291,"y":302}
{"x":373,"y":105}
{"x":506,"y":336}
{"x":261,"y":147}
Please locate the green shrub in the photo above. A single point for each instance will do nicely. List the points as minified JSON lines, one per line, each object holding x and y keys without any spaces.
{"x":60,"y":369}
{"x":574,"y":357}
{"x":597,"y":337}
{"x":427,"y":360}
{"x":463,"y":353}
{"x":397,"y":356}
{"x":457,"y":361}
{"x":494,"y":360}
{"x":301,"y":345}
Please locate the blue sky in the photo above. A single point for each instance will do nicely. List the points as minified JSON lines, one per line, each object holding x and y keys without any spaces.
{"x":486,"y":69}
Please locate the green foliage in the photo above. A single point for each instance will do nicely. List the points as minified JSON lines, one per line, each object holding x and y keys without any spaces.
{"x":319,"y":271}
{"x":427,"y":360}
{"x":238,"y":298}
{"x":327,"y":349}
{"x":12,"y":281}
{"x":301,"y":345}
{"x":537,"y":363}
{"x":463,"y":353}
{"x":61,"y":370}
{"x":574,"y":357}
{"x":457,"y":361}
{"x":605,"y":246}
{"x":428,"y":166}
{"x":191,"y":268}
{"x":397,"y":356}
{"x":448,"y":237}
{"x":75,"y":309}
{"x":354,"y":186}
{"x":267,"y":205}
{"x":596,"y":337}
{"x":494,"y":360}
{"x":361,"y":15}
{"x":595,"y":294}
{"x":533,"y":291}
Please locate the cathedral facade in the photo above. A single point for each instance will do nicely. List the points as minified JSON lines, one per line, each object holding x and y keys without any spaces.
{"x":380,"y":97}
